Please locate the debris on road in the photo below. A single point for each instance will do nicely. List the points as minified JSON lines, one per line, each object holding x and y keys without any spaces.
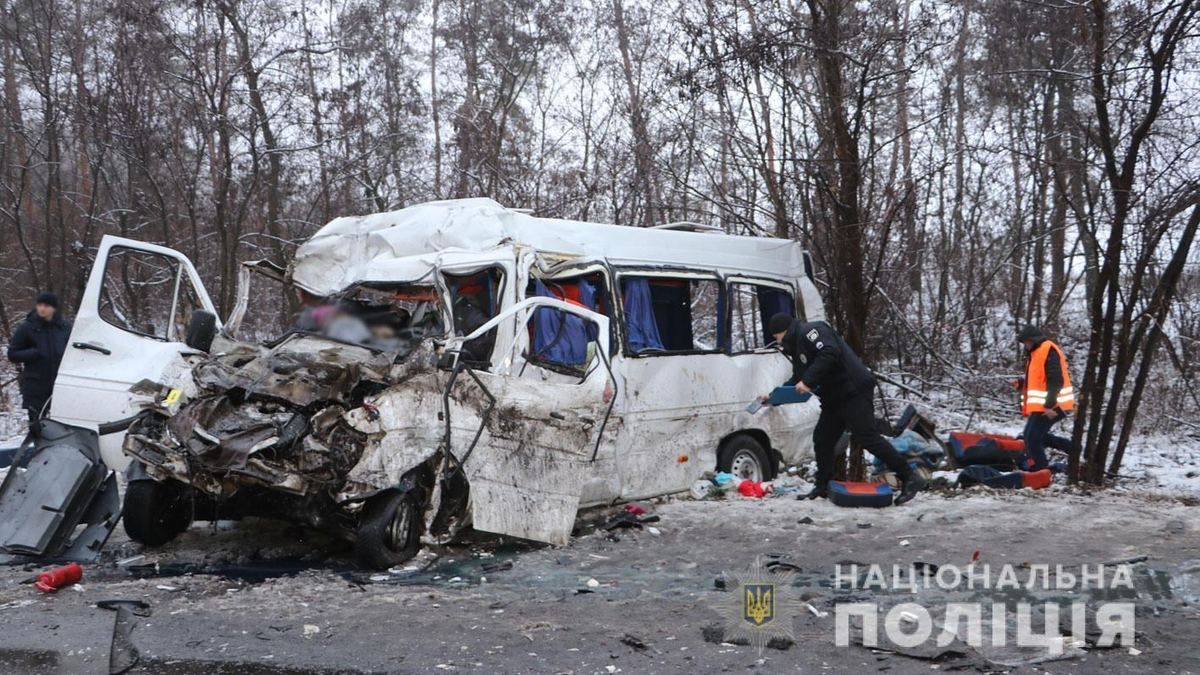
{"x":716,"y":634}
{"x":123,"y":655}
{"x":58,"y":483}
{"x":634,"y":642}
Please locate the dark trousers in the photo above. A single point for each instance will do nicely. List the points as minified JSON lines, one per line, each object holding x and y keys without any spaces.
{"x":856,"y":414}
{"x":34,"y":400}
{"x":1037,"y":436}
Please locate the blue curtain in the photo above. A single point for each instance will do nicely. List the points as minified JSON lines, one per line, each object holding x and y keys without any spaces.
{"x":639,"y":315}
{"x":558,"y":337}
{"x":587,"y":297}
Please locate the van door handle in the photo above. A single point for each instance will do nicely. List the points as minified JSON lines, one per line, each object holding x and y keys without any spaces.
{"x":95,"y":348}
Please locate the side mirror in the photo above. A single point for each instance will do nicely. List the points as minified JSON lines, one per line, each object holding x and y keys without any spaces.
{"x":201,"y":330}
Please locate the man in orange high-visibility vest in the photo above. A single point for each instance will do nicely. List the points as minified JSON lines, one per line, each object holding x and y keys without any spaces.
{"x":1046,"y":395}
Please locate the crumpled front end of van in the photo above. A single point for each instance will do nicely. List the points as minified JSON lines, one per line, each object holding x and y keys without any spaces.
{"x":275,"y":420}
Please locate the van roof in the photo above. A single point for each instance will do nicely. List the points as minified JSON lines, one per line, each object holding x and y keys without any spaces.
{"x":346,"y":250}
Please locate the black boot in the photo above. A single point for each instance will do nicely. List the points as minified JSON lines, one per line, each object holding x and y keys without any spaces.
{"x":911,"y":487}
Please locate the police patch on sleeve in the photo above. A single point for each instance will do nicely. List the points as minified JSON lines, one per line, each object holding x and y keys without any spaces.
{"x":812,"y":335}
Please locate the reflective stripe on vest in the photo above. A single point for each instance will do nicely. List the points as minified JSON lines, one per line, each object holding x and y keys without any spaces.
{"x":1034,"y":398}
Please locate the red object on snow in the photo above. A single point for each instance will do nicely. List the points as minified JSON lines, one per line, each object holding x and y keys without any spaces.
{"x":1037,"y":479}
{"x":48,"y":582}
{"x":635,"y":509}
{"x":752,"y":488}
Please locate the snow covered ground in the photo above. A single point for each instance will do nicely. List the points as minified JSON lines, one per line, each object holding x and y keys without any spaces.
{"x":1166,"y":464}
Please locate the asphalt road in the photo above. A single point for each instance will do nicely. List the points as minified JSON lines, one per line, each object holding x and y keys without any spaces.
{"x":629,"y":600}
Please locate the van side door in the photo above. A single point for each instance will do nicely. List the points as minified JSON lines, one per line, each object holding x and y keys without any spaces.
{"x":528,"y":431}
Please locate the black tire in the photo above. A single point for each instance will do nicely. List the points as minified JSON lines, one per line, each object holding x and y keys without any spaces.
{"x":154,"y":512}
{"x":744,"y":457}
{"x":389,"y":530}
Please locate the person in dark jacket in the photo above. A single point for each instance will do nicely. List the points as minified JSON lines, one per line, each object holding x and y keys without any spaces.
{"x":823,"y":364}
{"x":37,"y":346}
{"x":1046,"y":395}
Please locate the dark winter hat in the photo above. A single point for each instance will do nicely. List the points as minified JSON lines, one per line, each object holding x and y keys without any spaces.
{"x":47,"y":298}
{"x":1030,"y":332}
{"x":780,"y":323}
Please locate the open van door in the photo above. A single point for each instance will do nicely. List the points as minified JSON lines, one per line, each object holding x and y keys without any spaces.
{"x":528,"y":457}
{"x":131,"y":325}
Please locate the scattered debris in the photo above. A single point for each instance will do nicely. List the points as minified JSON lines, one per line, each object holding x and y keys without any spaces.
{"x":1127,"y":561}
{"x":497,"y":567}
{"x":715,"y":633}
{"x":635,"y":508}
{"x":634,"y":642}
{"x":59,"y":500}
{"x":123,"y":655}
{"x":15,"y":604}
{"x":777,"y":564}
{"x":627,"y":520}
{"x":754,"y":489}
{"x":927,"y":567}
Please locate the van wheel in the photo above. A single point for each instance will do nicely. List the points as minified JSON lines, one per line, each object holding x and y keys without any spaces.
{"x":745,"y":458}
{"x":154,"y":512}
{"x":389,"y":530}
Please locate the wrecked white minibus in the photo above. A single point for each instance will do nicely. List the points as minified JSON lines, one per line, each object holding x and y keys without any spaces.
{"x":454,"y":364}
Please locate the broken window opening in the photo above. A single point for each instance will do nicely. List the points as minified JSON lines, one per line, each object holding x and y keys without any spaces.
{"x":556,"y":341}
{"x":672,"y":315}
{"x":268,"y":320}
{"x":384,"y":318}
{"x":559,"y":341}
{"x":475,"y":300}
{"x":751,"y":308}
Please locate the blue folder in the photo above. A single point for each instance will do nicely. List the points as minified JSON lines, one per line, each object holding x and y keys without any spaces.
{"x":787,"y":394}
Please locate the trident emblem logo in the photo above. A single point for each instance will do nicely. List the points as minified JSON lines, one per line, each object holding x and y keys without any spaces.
{"x":759,"y":601}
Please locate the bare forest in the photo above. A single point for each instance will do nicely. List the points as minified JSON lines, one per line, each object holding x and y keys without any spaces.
{"x":956,"y":168}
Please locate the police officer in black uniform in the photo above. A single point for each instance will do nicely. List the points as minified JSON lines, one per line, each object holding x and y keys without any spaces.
{"x":823,"y":364}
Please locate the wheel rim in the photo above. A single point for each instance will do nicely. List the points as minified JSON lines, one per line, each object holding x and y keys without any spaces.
{"x":745,"y":466}
{"x":397,"y":532}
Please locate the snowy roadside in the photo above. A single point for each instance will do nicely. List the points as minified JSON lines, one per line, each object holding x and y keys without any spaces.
{"x":1162,"y":464}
